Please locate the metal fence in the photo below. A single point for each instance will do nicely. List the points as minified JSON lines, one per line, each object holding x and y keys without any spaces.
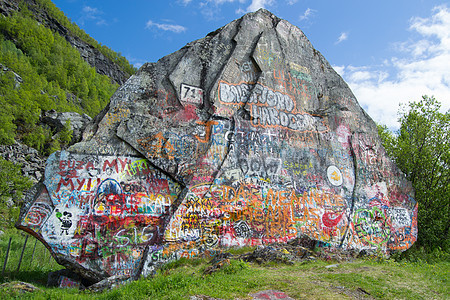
{"x":14,"y":254}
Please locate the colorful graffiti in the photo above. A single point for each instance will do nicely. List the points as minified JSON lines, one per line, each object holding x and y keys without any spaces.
{"x":106,"y":218}
{"x":265,"y":153}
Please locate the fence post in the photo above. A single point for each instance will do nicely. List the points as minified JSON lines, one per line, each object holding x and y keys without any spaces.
{"x":6,"y":258}
{"x":21,"y":255}
{"x":32,"y":255}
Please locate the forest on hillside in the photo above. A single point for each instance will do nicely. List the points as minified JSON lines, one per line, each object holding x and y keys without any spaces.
{"x":41,"y":71}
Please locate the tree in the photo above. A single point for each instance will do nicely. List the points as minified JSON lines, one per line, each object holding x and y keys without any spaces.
{"x":421,"y":149}
{"x":66,"y":134}
{"x":12,"y":186}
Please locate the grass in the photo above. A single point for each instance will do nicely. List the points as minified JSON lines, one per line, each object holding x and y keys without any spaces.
{"x":392,"y":280}
{"x":36,"y":262}
{"x":363,"y":278}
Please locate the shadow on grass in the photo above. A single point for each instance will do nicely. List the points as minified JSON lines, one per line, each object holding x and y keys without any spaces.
{"x":37,"y":277}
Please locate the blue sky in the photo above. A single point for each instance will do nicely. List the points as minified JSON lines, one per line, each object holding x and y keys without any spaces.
{"x":389,"y":52}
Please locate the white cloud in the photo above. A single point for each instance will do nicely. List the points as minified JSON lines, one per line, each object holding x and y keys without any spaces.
{"x":340,"y":70}
{"x":90,"y":10}
{"x":186,"y":2}
{"x":307,"y":14}
{"x":424,"y":69}
{"x":342,"y":37}
{"x":240,"y":11}
{"x":257,"y":4}
{"x":90,"y":13}
{"x":292,"y":2}
{"x":210,"y":9}
{"x":136,"y":62}
{"x":217,"y":2}
{"x":166,"y":27}
{"x":361,"y":76}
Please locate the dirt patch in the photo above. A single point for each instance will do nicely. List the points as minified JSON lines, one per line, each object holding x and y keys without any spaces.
{"x":357,"y":293}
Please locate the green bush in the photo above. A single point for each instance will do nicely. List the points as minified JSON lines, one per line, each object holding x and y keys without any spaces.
{"x":421,"y":149}
{"x":420,"y":254}
{"x":12,"y":186}
{"x":65,"y":135}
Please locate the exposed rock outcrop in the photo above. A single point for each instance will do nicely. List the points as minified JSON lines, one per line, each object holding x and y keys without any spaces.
{"x":17,"y":79}
{"x":33,"y":164}
{"x":245,"y":137}
{"x":57,"y":120}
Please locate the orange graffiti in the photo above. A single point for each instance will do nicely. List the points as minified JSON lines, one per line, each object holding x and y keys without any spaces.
{"x":208,"y":127}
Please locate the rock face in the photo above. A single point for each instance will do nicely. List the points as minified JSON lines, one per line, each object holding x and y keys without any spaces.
{"x":57,"y":120}
{"x":244,"y":137}
{"x":33,"y":164}
{"x":17,"y":79}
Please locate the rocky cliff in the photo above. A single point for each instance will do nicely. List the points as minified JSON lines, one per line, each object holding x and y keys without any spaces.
{"x":245,"y":137}
{"x":88,"y":52}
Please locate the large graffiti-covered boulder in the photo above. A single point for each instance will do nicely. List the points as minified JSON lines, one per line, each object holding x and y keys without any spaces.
{"x":245,"y":137}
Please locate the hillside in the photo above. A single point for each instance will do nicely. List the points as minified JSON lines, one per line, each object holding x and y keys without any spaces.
{"x":49,"y":63}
